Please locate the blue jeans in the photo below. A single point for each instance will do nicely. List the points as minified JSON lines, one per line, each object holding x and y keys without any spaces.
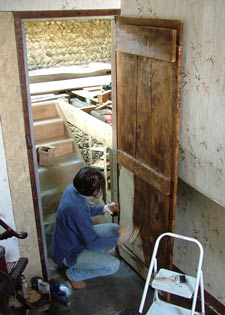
{"x":91,"y":264}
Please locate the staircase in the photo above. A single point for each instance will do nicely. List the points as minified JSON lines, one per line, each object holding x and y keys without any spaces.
{"x":51,"y":130}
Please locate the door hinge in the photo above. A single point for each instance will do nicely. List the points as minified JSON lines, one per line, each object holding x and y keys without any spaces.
{"x":29,"y":143}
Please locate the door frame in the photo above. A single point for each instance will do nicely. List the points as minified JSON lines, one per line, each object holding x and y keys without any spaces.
{"x":19,"y":19}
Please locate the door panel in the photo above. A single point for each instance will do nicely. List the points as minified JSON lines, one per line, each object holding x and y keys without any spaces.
{"x":154,"y":113}
{"x":125,"y":80}
{"x":151,"y":214}
{"x":148,"y":63}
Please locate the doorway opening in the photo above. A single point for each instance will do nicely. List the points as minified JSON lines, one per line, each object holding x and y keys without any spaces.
{"x":31,"y":71}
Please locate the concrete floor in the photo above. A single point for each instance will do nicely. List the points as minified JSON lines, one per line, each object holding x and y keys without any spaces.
{"x":102,"y":296}
{"x":118,"y":294}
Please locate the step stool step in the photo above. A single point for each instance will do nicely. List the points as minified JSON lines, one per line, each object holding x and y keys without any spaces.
{"x":165,"y":280}
{"x":49,"y":128}
{"x":41,"y":111}
{"x":162,"y":308}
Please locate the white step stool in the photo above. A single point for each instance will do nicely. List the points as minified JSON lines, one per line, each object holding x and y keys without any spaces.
{"x":174,"y":283}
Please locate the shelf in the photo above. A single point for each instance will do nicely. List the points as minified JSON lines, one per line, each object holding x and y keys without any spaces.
{"x":166,"y":282}
{"x":163,"y":308}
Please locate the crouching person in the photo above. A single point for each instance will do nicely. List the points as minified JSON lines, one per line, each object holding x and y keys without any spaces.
{"x":79,"y":245}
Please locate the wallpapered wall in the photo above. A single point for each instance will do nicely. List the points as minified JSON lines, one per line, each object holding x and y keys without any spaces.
{"x":203,"y":219}
{"x":202,"y":140}
{"x":22,"y":5}
{"x":202,"y":149}
{"x":202,"y":128}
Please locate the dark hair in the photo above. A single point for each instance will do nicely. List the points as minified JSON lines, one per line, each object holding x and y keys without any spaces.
{"x":89,"y":180}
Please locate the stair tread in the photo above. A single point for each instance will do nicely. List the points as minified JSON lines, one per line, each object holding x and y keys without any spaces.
{"x":43,"y":111}
{"x":48,"y":121}
{"x":164,"y":281}
{"x":44,"y":104}
{"x":52,"y":131}
{"x":55,"y":140}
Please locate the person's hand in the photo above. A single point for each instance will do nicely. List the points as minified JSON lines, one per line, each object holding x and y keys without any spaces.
{"x":125,"y":232}
{"x":111,"y":208}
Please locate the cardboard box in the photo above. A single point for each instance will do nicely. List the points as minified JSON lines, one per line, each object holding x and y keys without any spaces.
{"x":104,"y":96}
{"x":46,"y":155}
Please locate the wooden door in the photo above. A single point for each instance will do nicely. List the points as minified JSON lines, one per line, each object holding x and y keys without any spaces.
{"x":147,"y":83}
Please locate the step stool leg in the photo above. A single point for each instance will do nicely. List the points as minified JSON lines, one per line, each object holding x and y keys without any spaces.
{"x":202,"y":294}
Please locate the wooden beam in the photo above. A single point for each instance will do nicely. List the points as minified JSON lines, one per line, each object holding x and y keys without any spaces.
{"x":64,"y":85}
{"x":160,"y":43}
{"x":148,"y":174}
{"x":92,"y":126}
{"x":65,"y":14}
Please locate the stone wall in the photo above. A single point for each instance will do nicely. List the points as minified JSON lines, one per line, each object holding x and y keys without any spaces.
{"x":65,"y":43}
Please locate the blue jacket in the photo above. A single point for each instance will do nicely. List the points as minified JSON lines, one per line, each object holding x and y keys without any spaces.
{"x":74,"y":228}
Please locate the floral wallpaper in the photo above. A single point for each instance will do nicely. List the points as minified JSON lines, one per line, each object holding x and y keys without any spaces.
{"x":201,"y":218}
{"x":202,"y":139}
{"x":201,"y":197}
{"x":58,"y":4}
